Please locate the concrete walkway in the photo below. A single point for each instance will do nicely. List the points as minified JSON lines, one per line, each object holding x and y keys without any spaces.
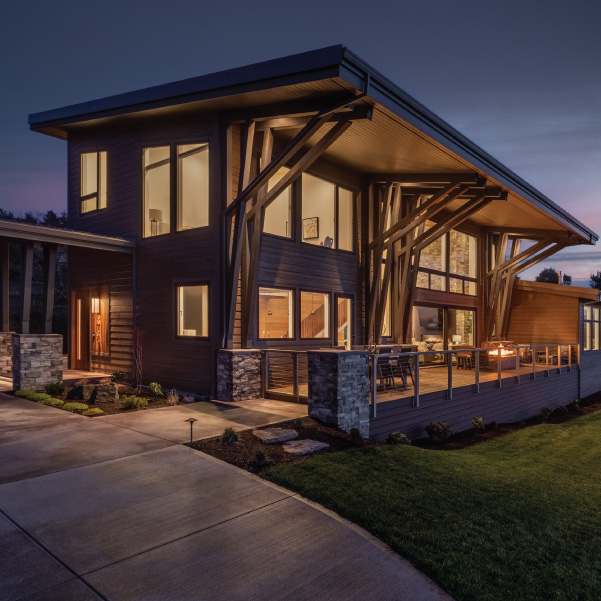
{"x":90,"y":510}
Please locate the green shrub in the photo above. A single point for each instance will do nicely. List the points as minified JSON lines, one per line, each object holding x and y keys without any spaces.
{"x":260,"y":458}
{"x":156,"y":389}
{"x":493,"y":426}
{"x":229,"y":436}
{"x":439,"y":431}
{"x":117,"y":376}
{"x":560,"y":410}
{"x":355,"y":435}
{"x":478,"y":423}
{"x":55,"y":388}
{"x":93,"y":412}
{"x":298,"y":423}
{"x":52,"y":402}
{"x":522,"y":424}
{"x":134,"y":402}
{"x":545,"y":413}
{"x":75,"y":407}
{"x":573,"y":405}
{"x":25,"y":393}
{"x":397,"y":438}
{"x":39,"y":396}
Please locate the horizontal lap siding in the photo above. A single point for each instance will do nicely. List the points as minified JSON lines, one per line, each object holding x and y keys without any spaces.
{"x":162,"y":262}
{"x":512,"y":402}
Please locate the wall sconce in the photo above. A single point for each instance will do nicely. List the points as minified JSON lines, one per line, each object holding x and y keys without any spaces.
{"x":155,"y":216}
{"x":95,"y":305}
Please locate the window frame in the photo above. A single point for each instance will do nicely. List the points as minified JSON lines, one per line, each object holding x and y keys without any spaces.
{"x":293,"y":311}
{"x":327,"y":293}
{"x":593,"y":323}
{"x":82,"y":198}
{"x":173,"y":185}
{"x":184,"y":284}
{"x":351,"y":298}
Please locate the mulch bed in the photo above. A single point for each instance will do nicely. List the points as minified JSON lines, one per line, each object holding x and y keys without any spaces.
{"x":242,"y":453}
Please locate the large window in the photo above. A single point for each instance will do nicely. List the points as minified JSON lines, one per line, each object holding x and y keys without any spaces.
{"x":93,"y":181}
{"x":344,"y":321}
{"x":278,"y":214}
{"x":314,"y":315}
{"x":193,"y":311}
{"x":192,"y":188}
{"x":276,"y":314}
{"x":449,"y":263}
{"x":327,"y":214}
{"x":592,"y":327}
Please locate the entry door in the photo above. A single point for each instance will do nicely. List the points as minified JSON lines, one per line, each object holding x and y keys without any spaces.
{"x":80,"y":330}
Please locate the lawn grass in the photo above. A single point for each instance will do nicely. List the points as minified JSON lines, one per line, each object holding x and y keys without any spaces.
{"x":514,"y":518}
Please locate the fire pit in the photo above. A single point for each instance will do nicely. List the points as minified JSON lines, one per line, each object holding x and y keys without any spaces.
{"x":505,"y":356}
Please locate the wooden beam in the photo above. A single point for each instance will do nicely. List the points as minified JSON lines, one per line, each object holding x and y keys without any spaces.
{"x":4,"y":285}
{"x":528,"y":233}
{"x":26,"y":285}
{"x":49,"y":281}
{"x":362,"y":111}
{"x":427,"y":178}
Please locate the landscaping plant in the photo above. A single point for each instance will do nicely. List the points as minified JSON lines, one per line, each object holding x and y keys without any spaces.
{"x":172,"y":397}
{"x":39,"y":396}
{"x":75,"y":407}
{"x":134,"y":402}
{"x":478,"y":423}
{"x":229,"y":436}
{"x":55,"y":388}
{"x":25,"y":393}
{"x":545,"y":413}
{"x":117,"y":376}
{"x":93,"y":412}
{"x":493,"y":426}
{"x":355,"y":435}
{"x":52,"y":402}
{"x":439,"y":432}
{"x":397,"y":438}
{"x":155,"y":389}
{"x":260,"y":458}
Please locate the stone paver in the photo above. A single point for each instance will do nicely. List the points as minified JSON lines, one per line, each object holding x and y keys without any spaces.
{"x":275,"y":435}
{"x":304,"y":447}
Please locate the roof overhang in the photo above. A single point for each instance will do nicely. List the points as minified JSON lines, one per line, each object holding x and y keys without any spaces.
{"x":25,"y":232}
{"x":587,"y":294}
{"x":312,"y":76}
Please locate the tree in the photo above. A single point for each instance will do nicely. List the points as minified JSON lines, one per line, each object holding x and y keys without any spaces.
{"x":595,"y":280}
{"x":550,"y":275}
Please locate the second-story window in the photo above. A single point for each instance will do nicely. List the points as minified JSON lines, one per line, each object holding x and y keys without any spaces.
{"x":191,"y":162}
{"x":93,"y":181}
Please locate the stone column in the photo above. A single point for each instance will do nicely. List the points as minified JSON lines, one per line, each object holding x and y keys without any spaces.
{"x":37,"y":360}
{"x":6,"y":354}
{"x":238,"y":374}
{"x":339,"y":388}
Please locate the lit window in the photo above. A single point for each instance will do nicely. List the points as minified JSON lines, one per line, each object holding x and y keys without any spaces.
{"x":592,"y":327}
{"x":192,"y":186}
{"x":275,"y":313}
{"x":327,"y":214}
{"x":193,"y":311}
{"x":462,"y":256}
{"x":315,"y":315}
{"x":278,"y":212}
{"x":157,"y":191}
{"x":93,"y":181}
{"x":344,"y":325}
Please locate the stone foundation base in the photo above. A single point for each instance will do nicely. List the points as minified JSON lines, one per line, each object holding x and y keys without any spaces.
{"x":37,"y":360}
{"x":339,"y":388}
{"x":238,"y":374}
{"x":6,"y":354}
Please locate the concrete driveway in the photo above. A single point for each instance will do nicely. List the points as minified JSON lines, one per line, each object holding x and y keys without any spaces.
{"x":118,"y":515}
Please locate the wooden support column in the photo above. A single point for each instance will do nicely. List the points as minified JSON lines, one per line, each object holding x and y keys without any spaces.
{"x":4,"y":286}
{"x":26,"y":285}
{"x":49,"y":281}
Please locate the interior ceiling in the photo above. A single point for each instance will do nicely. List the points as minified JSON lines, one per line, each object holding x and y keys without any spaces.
{"x":386,"y":144}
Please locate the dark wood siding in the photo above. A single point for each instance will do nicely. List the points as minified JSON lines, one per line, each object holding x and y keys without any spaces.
{"x":511,"y":403}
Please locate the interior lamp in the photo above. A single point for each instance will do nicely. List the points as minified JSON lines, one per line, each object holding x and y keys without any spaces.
{"x":155,"y":216}
{"x":456,"y":338}
{"x":95,"y":305}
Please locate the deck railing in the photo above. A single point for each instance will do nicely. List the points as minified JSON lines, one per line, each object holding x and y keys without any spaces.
{"x":398,"y":375}
{"x":285,"y":374}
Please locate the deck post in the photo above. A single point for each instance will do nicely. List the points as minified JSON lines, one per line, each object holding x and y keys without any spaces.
{"x":477,"y":372}
{"x":533,"y":355}
{"x":517,"y":364}
{"x":416,"y":401}
{"x":569,"y":358}
{"x":450,"y":377}
{"x":374,"y":385}
{"x":295,"y":375}
{"x":547,"y":359}
{"x":499,"y":367}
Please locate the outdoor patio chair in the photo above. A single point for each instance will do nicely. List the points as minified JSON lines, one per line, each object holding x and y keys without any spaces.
{"x":386,"y":373}
{"x":402,"y":366}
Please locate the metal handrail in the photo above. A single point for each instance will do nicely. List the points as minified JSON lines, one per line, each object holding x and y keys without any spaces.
{"x":532,"y":348}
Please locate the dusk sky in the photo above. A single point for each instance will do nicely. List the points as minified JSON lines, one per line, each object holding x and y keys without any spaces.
{"x":521,"y":79}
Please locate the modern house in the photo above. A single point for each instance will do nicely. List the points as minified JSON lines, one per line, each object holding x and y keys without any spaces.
{"x":308,"y":203}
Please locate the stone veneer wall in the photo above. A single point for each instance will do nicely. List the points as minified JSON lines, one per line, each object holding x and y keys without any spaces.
{"x":6,"y":354}
{"x":37,"y":360}
{"x":238,"y":374}
{"x":339,"y":388}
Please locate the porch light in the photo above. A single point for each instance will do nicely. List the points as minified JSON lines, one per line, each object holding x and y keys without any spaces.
{"x":95,"y":305}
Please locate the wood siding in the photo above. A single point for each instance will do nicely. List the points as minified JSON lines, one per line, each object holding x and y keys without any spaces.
{"x":511,"y":403}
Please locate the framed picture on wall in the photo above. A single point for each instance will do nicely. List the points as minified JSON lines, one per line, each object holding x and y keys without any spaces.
{"x":310,"y":228}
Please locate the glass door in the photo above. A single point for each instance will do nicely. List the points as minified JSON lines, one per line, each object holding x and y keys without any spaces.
{"x":428,"y":327}
{"x":461,"y":325}
{"x":344,"y":318}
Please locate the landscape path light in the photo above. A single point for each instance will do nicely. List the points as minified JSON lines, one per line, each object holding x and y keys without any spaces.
{"x":191,"y":421}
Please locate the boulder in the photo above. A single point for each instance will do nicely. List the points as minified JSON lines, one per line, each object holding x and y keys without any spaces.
{"x":275,"y":435}
{"x":304,"y":447}
{"x":107,"y":392}
{"x":89,"y":393}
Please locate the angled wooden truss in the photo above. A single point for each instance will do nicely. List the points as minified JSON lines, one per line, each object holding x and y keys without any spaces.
{"x":400,"y":235}
{"x":245,"y":216}
{"x":504,"y":260}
